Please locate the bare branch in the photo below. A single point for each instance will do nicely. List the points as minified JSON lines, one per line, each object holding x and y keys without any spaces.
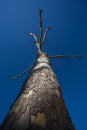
{"x":37,"y":42}
{"x":15,"y":77}
{"x":45,"y":34}
{"x":41,"y":29}
{"x":34,"y":36}
{"x":62,"y":56}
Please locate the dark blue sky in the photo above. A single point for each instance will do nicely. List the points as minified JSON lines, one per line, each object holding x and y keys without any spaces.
{"x":68,"y":19}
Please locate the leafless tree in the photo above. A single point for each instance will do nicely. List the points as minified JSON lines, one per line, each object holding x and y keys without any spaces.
{"x":40,"y":104}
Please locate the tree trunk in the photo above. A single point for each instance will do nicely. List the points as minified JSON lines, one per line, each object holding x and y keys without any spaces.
{"x":40,"y":104}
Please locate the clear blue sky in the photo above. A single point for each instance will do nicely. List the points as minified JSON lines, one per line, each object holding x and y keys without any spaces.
{"x":68,"y":19}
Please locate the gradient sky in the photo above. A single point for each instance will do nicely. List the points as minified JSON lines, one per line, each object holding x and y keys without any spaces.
{"x":68,"y":19}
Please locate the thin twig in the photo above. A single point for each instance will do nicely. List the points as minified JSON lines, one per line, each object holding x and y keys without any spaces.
{"x":15,"y":77}
{"x":45,"y":34}
{"x":38,"y":44}
{"x":62,"y":56}
{"x":41,"y":29}
{"x":34,"y":36}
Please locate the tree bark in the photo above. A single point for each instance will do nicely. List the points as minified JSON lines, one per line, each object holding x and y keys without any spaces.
{"x":40,"y":104}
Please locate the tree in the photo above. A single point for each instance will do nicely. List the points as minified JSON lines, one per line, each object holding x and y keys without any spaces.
{"x":40,"y":104}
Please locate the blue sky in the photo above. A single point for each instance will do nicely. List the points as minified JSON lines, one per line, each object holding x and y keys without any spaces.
{"x":68,"y":19}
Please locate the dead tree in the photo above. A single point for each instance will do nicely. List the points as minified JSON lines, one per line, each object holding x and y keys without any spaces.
{"x":40,"y":104}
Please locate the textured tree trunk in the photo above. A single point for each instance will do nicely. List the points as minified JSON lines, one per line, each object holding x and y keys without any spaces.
{"x":40,"y":104}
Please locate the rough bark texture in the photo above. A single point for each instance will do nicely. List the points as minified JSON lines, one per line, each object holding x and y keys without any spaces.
{"x":40,"y":104}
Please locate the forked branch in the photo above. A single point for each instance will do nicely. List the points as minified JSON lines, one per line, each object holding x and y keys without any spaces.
{"x":39,"y":42}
